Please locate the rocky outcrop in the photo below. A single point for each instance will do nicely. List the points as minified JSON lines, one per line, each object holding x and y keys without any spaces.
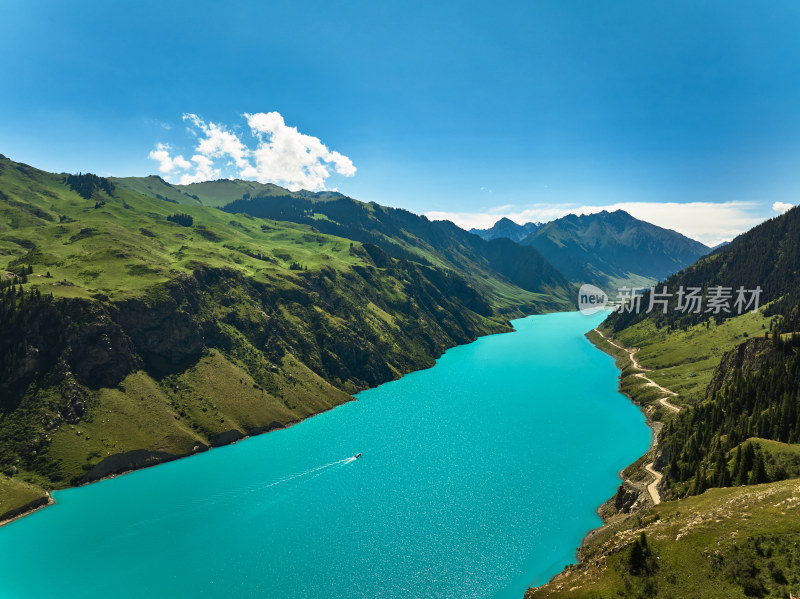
{"x":227,"y":438}
{"x":274,"y":425}
{"x":58,"y":341}
{"x":98,"y":350}
{"x":746,"y":358}
{"x":125,"y":462}
{"x":165,"y":331}
{"x":626,"y":497}
{"x":134,"y":460}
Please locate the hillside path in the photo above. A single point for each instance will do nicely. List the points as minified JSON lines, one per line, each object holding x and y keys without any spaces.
{"x":647,"y":380}
{"x":652,"y":488}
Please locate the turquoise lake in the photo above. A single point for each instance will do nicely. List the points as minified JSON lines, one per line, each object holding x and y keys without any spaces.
{"x":479,"y":477}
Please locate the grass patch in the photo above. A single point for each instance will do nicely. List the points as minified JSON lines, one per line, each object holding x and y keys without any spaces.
{"x":15,"y":493}
{"x":782,"y":459}
{"x":128,"y":245}
{"x":726,"y":543}
{"x":684,"y":361}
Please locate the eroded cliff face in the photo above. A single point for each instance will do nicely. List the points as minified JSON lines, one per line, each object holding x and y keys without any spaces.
{"x":745,"y":358}
{"x":297,"y":345}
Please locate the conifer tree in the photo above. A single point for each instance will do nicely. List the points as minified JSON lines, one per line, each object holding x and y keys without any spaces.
{"x":759,"y":474}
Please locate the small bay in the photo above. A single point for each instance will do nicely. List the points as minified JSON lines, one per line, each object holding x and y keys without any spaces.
{"x":478,"y":478}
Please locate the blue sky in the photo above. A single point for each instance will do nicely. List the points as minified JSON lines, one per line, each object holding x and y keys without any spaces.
{"x":686,"y":113}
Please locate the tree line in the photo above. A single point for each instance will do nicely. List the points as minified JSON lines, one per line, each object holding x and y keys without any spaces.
{"x":762,"y":403}
{"x":85,"y":184}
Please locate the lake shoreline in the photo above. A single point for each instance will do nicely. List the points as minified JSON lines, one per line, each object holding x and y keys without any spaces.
{"x":608,"y":511}
{"x":27,"y":509}
{"x":511,"y":362}
{"x":47,"y":500}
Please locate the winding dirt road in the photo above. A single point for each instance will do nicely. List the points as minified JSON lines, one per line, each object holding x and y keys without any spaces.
{"x":647,"y":380}
{"x":652,"y":488}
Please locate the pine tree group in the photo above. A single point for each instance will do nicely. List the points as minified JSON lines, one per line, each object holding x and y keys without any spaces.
{"x":764,"y":404}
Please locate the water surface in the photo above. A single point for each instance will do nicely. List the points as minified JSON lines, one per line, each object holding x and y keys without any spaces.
{"x":479,"y":477}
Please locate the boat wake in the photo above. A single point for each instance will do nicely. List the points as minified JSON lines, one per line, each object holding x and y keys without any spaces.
{"x":315,"y":471}
{"x":287,"y":485}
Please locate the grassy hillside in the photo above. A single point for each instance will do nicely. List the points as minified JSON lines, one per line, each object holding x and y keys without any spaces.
{"x":118,"y":246}
{"x":215,"y":194}
{"x":727,"y":543}
{"x":784,"y":455}
{"x":494,"y":268}
{"x":684,"y":361}
{"x":137,"y":330}
{"x":782,"y":460}
{"x":17,"y":496}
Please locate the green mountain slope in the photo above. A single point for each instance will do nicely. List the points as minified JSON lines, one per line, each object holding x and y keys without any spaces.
{"x":739,"y":386}
{"x":724,"y":544}
{"x":136,"y":330}
{"x":498,"y":270}
{"x":489,"y":266}
{"x":118,"y":246}
{"x":611,"y":249}
{"x":215,"y":194}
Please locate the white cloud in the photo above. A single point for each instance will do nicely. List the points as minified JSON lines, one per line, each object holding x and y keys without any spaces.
{"x":781,"y":207}
{"x":219,"y":142}
{"x":344,"y":166}
{"x":288,"y":157}
{"x":281,"y":154}
{"x":708,"y":222}
{"x":204,"y":171}
{"x":166,"y":163}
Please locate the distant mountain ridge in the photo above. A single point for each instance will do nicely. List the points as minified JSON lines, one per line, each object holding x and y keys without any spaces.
{"x":719,"y":245}
{"x":507,"y":228}
{"x":610,"y":249}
